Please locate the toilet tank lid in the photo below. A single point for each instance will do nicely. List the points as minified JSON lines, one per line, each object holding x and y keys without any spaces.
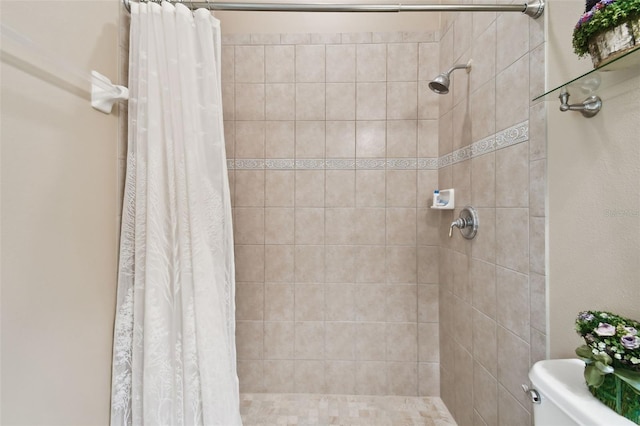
{"x":561,"y":381}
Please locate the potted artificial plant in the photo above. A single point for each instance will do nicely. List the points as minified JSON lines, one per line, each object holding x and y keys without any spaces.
{"x":607,"y":29}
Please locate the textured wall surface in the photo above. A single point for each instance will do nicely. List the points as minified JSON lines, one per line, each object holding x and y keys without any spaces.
{"x":332,"y":236}
{"x":492,"y":288}
{"x":334,"y":145}
{"x":594,"y":195}
{"x":59,"y":216}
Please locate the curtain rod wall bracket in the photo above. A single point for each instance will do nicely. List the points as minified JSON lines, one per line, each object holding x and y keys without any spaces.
{"x":104,"y":93}
{"x":534,"y":9}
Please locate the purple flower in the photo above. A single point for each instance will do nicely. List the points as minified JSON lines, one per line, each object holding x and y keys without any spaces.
{"x":630,"y":342}
{"x":631,"y":331}
{"x":588,"y":15}
{"x":602,"y":4}
{"x":585,"y":316}
{"x":605,"y":329}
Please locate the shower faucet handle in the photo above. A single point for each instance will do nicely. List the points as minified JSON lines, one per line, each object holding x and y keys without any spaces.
{"x":458,"y":223}
{"x":467,"y":223}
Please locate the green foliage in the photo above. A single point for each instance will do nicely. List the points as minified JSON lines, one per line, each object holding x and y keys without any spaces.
{"x":605,"y":335}
{"x":612,"y":365}
{"x":608,"y":17}
{"x":593,"y":376}
{"x":584,"y":351}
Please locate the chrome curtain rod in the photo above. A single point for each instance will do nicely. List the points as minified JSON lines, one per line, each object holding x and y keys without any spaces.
{"x":533,"y":9}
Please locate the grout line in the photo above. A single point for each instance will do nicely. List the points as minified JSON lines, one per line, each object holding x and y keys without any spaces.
{"x":264,"y":216}
{"x":295,"y":203}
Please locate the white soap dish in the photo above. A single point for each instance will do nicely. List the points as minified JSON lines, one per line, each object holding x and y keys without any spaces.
{"x":444,"y":199}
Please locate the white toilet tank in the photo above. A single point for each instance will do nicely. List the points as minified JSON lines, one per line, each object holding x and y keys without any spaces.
{"x":566,"y":401}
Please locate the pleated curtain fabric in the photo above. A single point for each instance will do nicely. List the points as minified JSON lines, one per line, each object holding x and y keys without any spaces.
{"x":174,"y":356}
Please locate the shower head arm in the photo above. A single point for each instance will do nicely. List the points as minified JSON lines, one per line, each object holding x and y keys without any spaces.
{"x":466,"y":66}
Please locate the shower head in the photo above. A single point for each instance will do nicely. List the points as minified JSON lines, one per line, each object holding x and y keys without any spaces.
{"x":440,"y":84}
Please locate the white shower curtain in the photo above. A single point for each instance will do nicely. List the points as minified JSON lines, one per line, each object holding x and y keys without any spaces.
{"x":174,"y":359}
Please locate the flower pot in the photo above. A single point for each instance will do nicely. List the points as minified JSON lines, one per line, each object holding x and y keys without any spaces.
{"x":610,"y":44}
{"x":619,"y":396}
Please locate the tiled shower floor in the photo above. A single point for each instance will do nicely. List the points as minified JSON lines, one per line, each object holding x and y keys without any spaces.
{"x":308,"y":409}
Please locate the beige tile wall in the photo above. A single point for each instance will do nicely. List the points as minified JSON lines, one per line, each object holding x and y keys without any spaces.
{"x":337,"y":266}
{"x":492,"y":288}
{"x":344,"y":275}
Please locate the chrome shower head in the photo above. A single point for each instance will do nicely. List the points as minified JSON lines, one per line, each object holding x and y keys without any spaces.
{"x":440,"y":84}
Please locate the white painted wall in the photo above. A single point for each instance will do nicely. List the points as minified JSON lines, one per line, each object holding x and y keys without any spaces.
{"x":593,"y":193}
{"x":58,"y":219}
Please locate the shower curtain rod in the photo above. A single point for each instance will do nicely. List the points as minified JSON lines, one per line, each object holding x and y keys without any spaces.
{"x":22,"y":52}
{"x":533,"y":9}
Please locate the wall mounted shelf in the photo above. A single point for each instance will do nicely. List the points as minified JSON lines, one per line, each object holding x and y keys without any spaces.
{"x":616,"y":71}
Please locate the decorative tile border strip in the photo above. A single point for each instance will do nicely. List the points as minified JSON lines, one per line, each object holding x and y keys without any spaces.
{"x":246,"y":164}
{"x":505,"y":138}
{"x":310,"y":164}
{"x":335,"y":164}
{"x":371,"y":164}
{"x":483,"y":146}
{"x":279,"y":164}
{"x":427,"y":164}
{"x":402,"y":163}
{"x":340,"y":164}
{"x":513,"y":135}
